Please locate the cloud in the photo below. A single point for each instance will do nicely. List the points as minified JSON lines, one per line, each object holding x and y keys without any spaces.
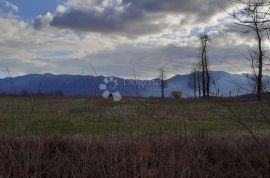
{"x":111,"y":23}
{"x":43,"y":21}
{"x":12,"y":6}
{"x":146,"y":60}
{"x":25,"y":50}
{"x":8,"y":8}
{"x":161,"y":34}
{"x":130,"y":18}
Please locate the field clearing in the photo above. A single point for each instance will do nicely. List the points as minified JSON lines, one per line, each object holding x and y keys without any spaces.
{"x":93,"y":137}
{"x":131,"y":116}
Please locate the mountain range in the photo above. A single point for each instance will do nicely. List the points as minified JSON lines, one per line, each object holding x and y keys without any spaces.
{"x":224,"y":84}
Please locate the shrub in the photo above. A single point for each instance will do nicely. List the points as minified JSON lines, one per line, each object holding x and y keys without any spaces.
{"x":59,"y":93}
{"x":176,"y":94}
{"x":24,"y":93}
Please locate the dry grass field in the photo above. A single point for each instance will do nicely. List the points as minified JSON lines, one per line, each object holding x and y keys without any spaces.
{"x":94,"y":137}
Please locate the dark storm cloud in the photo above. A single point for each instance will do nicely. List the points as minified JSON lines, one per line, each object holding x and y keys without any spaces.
{"x":136,"y":16}
{"x":108,"y":22}
{"x":205,"y":8}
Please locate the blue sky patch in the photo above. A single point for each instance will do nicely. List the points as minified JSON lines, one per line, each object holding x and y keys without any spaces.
{"x":55,"y":54}
{"x":29,"y":9}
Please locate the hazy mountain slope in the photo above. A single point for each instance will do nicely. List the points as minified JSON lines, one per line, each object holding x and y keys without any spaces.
{"x":78,"y":85}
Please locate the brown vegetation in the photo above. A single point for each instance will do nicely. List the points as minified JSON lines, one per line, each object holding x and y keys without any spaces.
{"x":197,"y":156}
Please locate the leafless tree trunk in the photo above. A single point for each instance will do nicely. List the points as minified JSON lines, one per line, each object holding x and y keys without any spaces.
{"x":254,"y":17}
{"x":193,"y":80}
{"x":207,"y":77}
{"x":203,"y":75}
{"x":205,"y":66}
{"x":199,"y":81}
{"x":260,"y":60}
{"x":162,"y":82}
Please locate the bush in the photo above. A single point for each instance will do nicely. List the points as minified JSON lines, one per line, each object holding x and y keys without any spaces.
{"x":58,"y":93}
{"x":176,"y":94}
{"x":24,"y":93}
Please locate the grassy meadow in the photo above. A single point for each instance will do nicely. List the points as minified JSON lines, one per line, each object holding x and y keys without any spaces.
{"x":94,"y":137}
{"x":97,"y":116}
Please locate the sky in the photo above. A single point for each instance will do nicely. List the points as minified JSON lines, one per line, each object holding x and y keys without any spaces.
{"x":117,"y":37}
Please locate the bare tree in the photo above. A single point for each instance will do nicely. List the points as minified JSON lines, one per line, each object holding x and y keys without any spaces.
{"x":204,"y":38}
{"x":193,"y":80}
{"x":162,"y":78}
{"x":199,"y":82}
{"x":254,"y":17}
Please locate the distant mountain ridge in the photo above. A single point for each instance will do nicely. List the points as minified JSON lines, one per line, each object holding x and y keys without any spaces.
{"x":225,"y":84}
